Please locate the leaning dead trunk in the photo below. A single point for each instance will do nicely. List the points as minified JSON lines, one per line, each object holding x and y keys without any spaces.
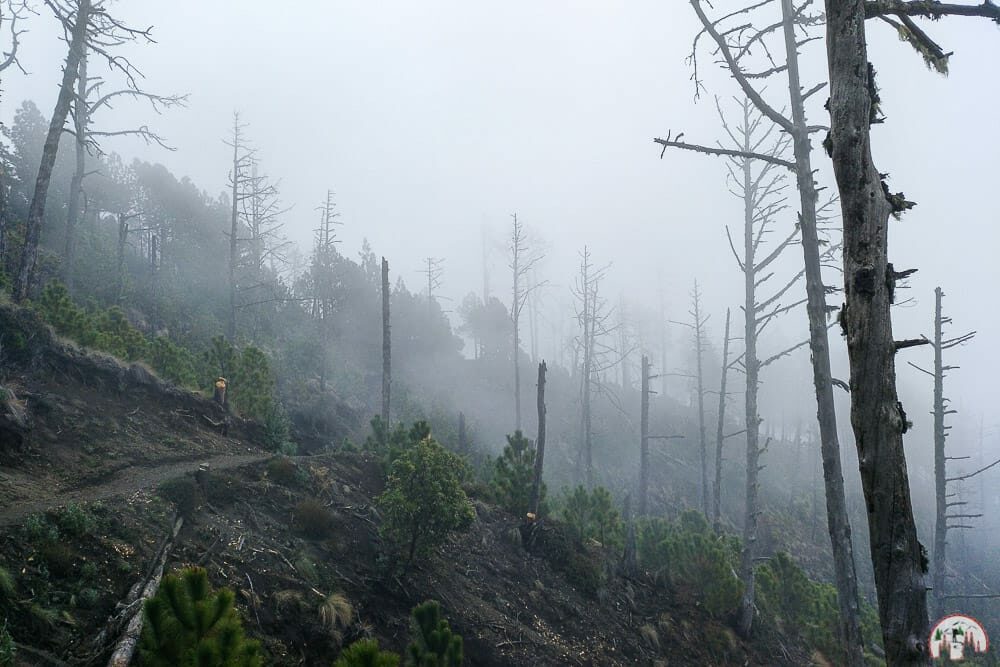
{"x":36,"y":211}
{"x":836,"y":502}
{"x":386,"y":345}
{"x":536,"y":484}
{"x":879,"y":422}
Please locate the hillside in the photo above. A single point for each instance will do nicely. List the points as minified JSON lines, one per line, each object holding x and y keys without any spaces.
{"x":100,"y":457}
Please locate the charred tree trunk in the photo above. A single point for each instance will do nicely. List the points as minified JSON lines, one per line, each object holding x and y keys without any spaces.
{"x":644,"y":440}
{"x":386,"y":344}
{"x":536,"y":484}
{"x":80,"y":119}
{"x":879,"y":422}
{"x":719,"y":433}
{"x":36,"y":211}
{"x":836,"y":503}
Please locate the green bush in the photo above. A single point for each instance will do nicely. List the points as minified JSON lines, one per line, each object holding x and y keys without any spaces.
{"x":434,"y":644}
{"x":366,"y":653}
{"x":187,"y":624}
{"x":423,"y":500}
{"x":59,"y":558}
{"x":798,"y":606}
{"x":8,"y":651}
{"x":173,"y":362}
{"x":313,"y":519}
{"x":277,"y":429}
{"x":688,"y":556}
{"x":513,"y":475}
{"x":76,"y":521}
{"x":88,"y":598}
{"x":390,"y":444}
{"x":39,"y":529}
{"x":593,"y":516}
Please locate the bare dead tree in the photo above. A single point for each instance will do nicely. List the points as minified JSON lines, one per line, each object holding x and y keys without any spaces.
{"x":761,"y":187}
{"x":88,"y":26}
{"x":536,"y":484}
{"x":89,"y":101}
{"x":522,"y":261}
{"x":879,"y":422}
{"x":697,"y":326}
{"x":12,"y":14}
{"x":735,"y":40}
{"x":593,"y":317}
{"x":239,"y":177}
{"x":940,"y":411}
{"x":433,"y":272}
{"x":386,"y":345}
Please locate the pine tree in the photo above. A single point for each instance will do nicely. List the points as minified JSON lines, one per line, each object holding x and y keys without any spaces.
{"x":514,"y":474}
{"x":187,"y":624}
{"x":366,"y":653}
{"x":434,"y":644}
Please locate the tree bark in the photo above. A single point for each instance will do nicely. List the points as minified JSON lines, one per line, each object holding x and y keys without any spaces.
{"x":515,"y":314}
{"x":24,"y":279}
{"x":463,"y":438}
{"x":644,"y":440}
{"x":386,"y":345}
{"x":877,"y":417}
{"x":719,"y":433}
{"x":536,"y":485}
{"x":838,"y":523}
{"x":80,"y":120}
{"x":120,"y":272}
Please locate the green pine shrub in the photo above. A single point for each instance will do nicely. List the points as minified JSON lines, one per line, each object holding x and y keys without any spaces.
{"x":423,"y":500}
{"x":798,"y":606}
{"x":278,"y":429}
{"x":173,"y":363}
{"x":8,"y":587}
{"x":513,"y":475}
{"x":183,"y":492}
{"x":434,"y":644}
{"x":76,"y":521}
{"x":593,"y":516}
{"x":188,"y":624}
{"x":688,"y":556}
{"x":59,"y":558}
{"x":366,"y":653}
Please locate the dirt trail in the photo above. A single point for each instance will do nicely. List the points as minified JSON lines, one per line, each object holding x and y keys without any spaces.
{"x":122,"y":482}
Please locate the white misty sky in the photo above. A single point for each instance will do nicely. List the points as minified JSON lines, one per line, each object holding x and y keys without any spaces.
{"x":432,"y":120}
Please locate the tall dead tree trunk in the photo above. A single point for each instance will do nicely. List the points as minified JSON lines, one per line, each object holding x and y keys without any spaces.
{"x":536,"y":484}
{"x":522,"y":262}
{"x":80,"y":119}
{"x":36,"y":211}
{"x":463,"y":437}
{"x":752,"y":366}
{"x":386,"y":345}
{"x":234,"y":228}
{"x":720,"y":433}
{"x":941,"y":479}
{"x":644,"y":440}
{"x":877,"y":416}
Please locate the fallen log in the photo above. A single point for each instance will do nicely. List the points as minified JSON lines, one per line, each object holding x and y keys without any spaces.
{"x":122,"y":655}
